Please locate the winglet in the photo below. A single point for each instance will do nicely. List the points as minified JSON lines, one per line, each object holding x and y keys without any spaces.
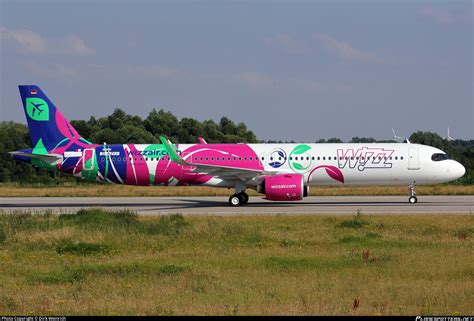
{"x":203,"y":141}
{"x":171,"y":152}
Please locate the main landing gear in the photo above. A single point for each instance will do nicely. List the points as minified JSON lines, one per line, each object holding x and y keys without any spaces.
{"x":239,"y":199}
{"x":411,"y":190}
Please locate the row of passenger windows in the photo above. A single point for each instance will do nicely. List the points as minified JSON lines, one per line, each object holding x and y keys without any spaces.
{"x":299,"y":158}
{"x":262,"y":158}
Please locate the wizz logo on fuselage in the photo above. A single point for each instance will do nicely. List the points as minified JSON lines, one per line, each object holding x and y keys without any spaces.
{"x":365,"y":157}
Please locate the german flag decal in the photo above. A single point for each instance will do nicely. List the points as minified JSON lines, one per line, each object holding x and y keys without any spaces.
{"x":33,"y":92}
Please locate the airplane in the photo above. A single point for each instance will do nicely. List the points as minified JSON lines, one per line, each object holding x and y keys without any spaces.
{"x":282,"y":172}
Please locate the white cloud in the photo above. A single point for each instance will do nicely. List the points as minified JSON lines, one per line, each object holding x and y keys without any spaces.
{"x":441,"y":16}
{"x":255,"y":79}
{"x":26,"y":41}
{"x":74,"y":45}
{"x":61,"y":71}
{"x":343,"y":49}
{"x":262,"y":81}
{"x":29,"y":42}
{"x":155,"y":71}
{"x":438,"y":15}
{"x":288,"y":44}
{"x":52,"y":70}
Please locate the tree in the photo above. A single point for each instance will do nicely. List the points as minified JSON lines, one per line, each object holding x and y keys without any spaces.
{"x":363,"y":140}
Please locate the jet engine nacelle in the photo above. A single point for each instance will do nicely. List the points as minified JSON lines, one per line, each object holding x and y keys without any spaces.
{"x":283,"y":187}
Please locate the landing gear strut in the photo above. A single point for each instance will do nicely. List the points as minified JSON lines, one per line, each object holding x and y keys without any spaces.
{"x":239,"y":199}
{"x":411,"y":190}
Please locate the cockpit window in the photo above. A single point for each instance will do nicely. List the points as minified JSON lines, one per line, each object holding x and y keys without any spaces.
{"x":439,"y":157}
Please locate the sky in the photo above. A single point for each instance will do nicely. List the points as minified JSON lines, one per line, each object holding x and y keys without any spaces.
{"x":290,"y":70}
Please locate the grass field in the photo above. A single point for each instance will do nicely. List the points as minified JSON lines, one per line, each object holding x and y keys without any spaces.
{"x":108,"y":190}
{"x":118,"y":263}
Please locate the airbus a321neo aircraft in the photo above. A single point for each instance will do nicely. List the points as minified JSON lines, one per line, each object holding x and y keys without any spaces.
{"x":283,"y":172}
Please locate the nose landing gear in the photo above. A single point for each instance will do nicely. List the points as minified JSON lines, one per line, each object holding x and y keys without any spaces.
{"x":411,"y":190}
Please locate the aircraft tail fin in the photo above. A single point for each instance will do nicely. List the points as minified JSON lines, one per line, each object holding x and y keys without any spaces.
{"x":50,"y":132}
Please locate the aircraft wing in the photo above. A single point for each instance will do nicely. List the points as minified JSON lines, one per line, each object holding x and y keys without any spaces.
{"x":224,"y":172}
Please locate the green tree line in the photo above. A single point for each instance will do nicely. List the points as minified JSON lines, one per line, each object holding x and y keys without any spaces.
{"x":120,"y":127}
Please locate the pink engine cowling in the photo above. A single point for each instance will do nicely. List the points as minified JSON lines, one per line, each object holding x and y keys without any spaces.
{"x":283,"y":187}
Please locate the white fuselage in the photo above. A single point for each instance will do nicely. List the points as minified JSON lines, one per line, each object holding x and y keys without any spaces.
{"x":360,"y":164}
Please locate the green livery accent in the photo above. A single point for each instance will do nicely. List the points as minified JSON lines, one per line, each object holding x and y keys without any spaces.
{"x":40,"y":149}
{"x":296,"y":166}
{"x":85,"y":141}
{"x":60,"y":143}
{"x":151,"y":151}
{"x":89,"y":172}
{"x":300,"y":149}
{"x":171,"y":151}
{"x":106,"y":174}
{"x":37,"y":109}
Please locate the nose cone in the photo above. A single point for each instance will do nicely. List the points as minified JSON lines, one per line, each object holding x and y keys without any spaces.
{"x":458,"y":170}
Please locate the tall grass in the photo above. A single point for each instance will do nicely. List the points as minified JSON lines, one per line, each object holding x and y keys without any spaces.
{"x":95,"y":262}
{"x":106,"y":190}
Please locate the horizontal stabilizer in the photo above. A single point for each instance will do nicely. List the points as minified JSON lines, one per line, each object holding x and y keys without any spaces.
{"x":49,"y":158}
